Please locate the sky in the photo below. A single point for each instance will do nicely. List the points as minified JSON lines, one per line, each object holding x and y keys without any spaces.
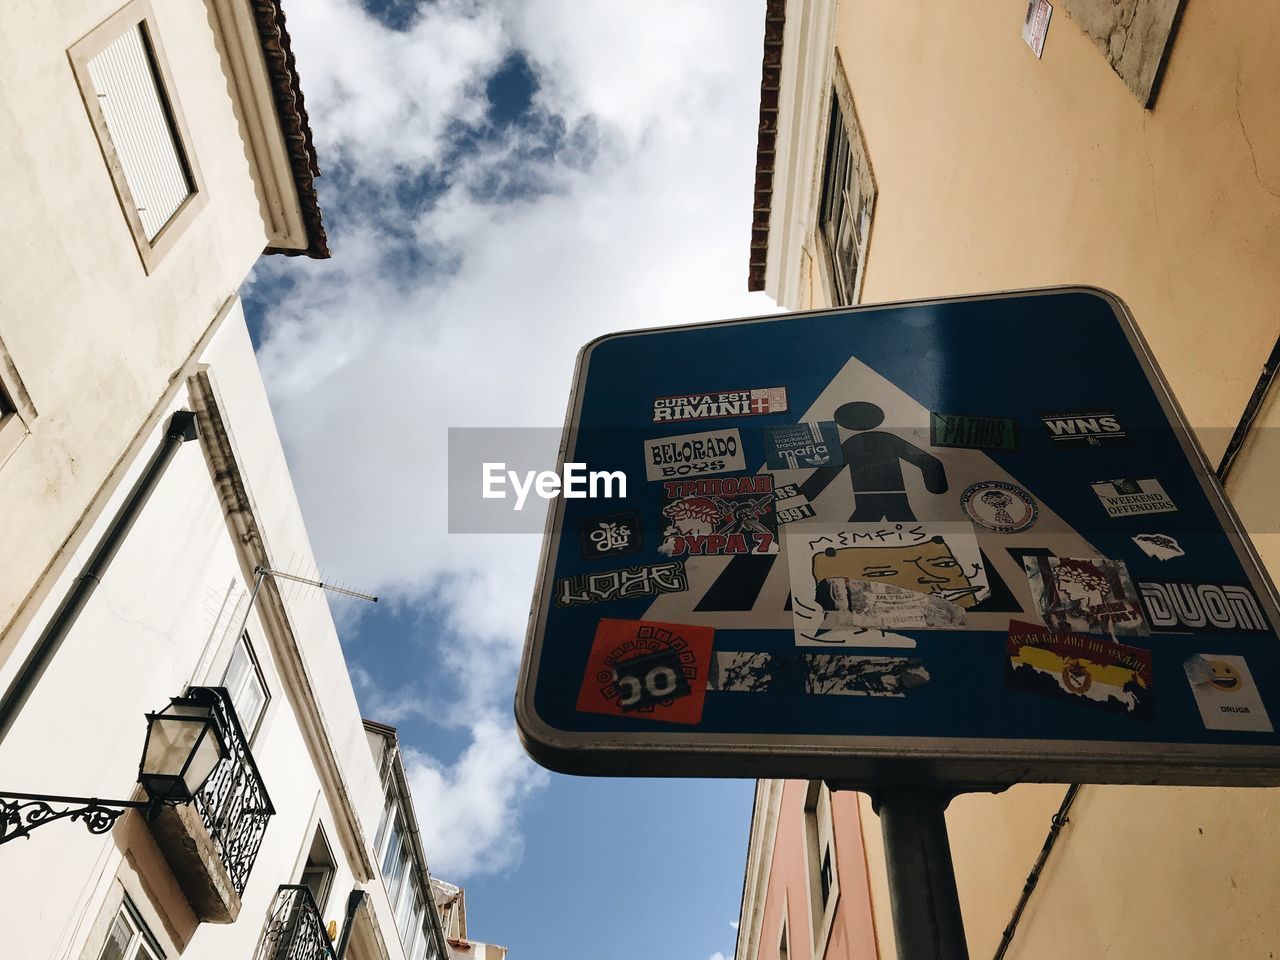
{"x":504,"y":181}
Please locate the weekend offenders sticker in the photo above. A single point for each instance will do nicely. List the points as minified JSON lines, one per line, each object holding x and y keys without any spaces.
{"x":713,"y":406}
{"x":1123,"y":498}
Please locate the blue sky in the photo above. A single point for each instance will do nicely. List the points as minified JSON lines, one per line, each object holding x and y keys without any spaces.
{"x":503,"y":182}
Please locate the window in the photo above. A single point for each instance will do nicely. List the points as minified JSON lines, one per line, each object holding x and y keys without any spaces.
{"x":243,"y":680}
{"x":129,"y":938}
{"x":16,"y":412}
{"x":12,"y":429}
{"x":317,"y":874}
{"x":127,"y":90}
{"x":848,"y":197}
{"x":409,"y":900}
{"x":824,"y":883}
{"x":824,"y":877}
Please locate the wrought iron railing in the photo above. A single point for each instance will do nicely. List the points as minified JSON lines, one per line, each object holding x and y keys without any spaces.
{"x":234,"y":804}
{"x":295,"y":930}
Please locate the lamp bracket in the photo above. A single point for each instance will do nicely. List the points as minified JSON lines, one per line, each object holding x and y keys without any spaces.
{"x":20,"y":813}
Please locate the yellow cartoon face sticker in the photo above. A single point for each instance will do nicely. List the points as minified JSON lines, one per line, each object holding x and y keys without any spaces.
{"x":1224,"y":676}
{"x":928,"y":567}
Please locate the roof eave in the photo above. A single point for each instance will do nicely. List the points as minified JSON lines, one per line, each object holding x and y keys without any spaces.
{"x":291,"y":110}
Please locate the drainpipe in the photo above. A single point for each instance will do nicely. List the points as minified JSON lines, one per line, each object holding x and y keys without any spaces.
{"x":354,"y":900}
{"x":182,"y":427}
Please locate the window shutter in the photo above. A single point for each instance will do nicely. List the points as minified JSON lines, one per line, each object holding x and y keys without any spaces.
{"x":137,"y":116}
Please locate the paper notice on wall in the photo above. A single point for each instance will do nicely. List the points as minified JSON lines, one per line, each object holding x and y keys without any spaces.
{"x":1036,"y":25}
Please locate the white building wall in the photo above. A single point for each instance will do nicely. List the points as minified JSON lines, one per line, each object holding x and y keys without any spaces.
{"x":163,"y":618}
{"x":94,"y":339}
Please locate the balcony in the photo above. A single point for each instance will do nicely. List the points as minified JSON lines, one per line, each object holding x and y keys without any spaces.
{"x":294,"y":929}
{"x":211,"y":845}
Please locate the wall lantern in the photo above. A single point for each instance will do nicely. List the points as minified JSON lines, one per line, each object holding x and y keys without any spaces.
{"x":185,"y":742}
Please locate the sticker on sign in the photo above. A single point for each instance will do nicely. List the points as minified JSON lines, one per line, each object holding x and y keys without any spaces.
{"x":693,"y":455}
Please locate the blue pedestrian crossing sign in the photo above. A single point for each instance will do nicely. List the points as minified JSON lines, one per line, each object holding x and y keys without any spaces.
{"x":962,"y":541}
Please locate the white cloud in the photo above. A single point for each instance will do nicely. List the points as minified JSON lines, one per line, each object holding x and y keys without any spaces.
{"x":467,"y":810}
{"x":382,"y":99}
{"x":465,"y":312}
{"x":719,"y":956}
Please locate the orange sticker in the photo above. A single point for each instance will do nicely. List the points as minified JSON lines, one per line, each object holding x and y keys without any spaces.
{"x":653,"y":671}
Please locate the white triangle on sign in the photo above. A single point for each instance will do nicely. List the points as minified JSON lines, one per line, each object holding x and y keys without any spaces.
{"x":908,"y":421}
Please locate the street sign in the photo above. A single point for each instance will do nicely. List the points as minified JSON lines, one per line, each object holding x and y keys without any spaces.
{"x":964,"y":542}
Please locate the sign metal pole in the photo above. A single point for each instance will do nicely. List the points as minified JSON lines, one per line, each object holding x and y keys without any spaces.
{"x":923,"y":899}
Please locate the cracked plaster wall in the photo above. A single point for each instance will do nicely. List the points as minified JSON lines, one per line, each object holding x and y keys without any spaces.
{"x":1132,"y":34}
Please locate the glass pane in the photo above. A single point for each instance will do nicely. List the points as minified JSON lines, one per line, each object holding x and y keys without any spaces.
{"x":248,"y":695}
{"x":388,"y":811}
{"x":144,"y":952}
{"x":404,"y":915}
{"x":392,"y":855}
{"x":404,"y":885}
{"x":117,"y":940}
{"x":419,"y":949}
{"x":316,"y":879}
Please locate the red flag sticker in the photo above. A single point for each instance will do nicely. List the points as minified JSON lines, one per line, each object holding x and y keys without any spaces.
{"x":653,"y":671}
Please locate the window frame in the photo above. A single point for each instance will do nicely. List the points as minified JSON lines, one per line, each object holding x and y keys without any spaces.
{"x":141,"y":936}
{"x":16,"y":412}
{"x":256,"y":665}
{"x":820,"y":849}
{"x":326,"y":869}
{"x":138,"y":13}
{"x":409,"y":894}
{"x":842,"y":117}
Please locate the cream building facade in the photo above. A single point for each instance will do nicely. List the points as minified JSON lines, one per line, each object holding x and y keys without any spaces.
{"x":916,"y":149}
{"x":151,"y":153}
{"x":103,"y":314}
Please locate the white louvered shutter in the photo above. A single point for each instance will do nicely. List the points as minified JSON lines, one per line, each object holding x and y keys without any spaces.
{"x":124,"y":80}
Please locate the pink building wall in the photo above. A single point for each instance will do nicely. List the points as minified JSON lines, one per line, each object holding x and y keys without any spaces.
{"x":853,"y":935}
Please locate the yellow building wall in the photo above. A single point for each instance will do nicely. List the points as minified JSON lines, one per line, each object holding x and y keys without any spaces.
{"x":996,"y":171}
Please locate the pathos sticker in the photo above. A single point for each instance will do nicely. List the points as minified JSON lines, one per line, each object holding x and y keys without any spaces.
{"x":803,"y":445}
{"x":719,"y":515}
{"x":712,"y":406}
{"x":615,"y":535}
{"x":1182,"y":605}
{"x":1225,"y":693}
{"x":654,"y":671}
{"x":862,"y":577}
{"x":1002,"y":507}
{"x":641,"y":581}
{"x":1083,"y":428}
{"x":694,"y":455}
{"x":1161,"y":546}
{"x":1123,"y":498}
{"x":1086,"y":670}
{"x":856,"y":676}
{"x":1087,"y":595}
{"x":973,"y":433}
